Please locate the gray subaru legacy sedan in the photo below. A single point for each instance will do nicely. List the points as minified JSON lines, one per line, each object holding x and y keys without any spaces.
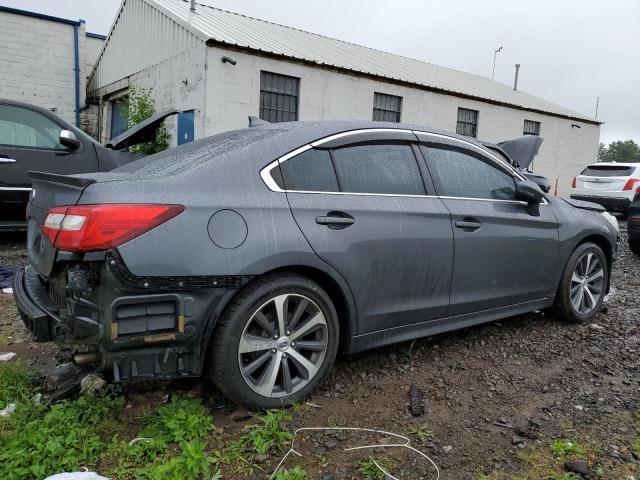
{"x":255,"y":256}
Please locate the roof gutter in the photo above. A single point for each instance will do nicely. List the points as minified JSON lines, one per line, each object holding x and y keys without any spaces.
{"x":218,"y":43}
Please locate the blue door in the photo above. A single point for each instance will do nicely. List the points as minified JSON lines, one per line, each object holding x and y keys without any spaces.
{"x":185,"y":127}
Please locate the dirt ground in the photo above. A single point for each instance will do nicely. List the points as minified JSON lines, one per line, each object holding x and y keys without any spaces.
{"x":495,"y":395}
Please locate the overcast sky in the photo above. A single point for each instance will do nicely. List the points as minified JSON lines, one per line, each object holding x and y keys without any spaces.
{"x":571,"y":51}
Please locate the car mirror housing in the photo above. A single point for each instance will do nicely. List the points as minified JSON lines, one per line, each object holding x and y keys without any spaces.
{"x":529,"y":191}
{"x":69,"y":140}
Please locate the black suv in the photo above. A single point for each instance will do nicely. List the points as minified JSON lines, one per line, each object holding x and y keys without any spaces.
{"x":32,"y":138}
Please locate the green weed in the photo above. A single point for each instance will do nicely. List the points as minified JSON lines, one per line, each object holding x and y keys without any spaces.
{"x":422,"y":434}
{"x":60,"y":439}
{"x":178,"y":421}
{"x":370,"y":470}
{"x":269,"y":434}
{"x":562,"y":448}
{"x":296,"y":473}
{"x":564,"y":476}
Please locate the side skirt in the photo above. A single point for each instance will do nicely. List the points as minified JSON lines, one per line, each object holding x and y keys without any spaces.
{"x":404,"y":333}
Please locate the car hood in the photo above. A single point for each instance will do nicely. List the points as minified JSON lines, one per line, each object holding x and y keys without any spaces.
{"x":143,"y":132}
{"x":522,"y":150}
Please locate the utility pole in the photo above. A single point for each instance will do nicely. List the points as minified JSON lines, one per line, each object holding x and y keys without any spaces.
{"x":495,"y":54}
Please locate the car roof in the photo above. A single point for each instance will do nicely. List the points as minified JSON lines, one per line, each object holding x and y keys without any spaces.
{"x":259,"y":145}
{"x":617,"y":164}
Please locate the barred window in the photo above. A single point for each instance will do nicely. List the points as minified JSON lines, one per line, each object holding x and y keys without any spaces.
{"x":278,"y":97}
{"x":386,"y":108}
{"x":531,"y":128}
{"x":467,"y":122}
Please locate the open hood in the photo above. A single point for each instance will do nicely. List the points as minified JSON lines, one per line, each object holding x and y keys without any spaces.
{"x":522,"y":150}
{"x":140,"y":133}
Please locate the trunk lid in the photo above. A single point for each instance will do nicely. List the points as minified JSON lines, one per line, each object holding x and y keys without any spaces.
{"x":49,"y":190}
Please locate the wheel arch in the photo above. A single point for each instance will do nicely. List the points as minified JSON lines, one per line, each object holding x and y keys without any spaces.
{"x":336,"y":288}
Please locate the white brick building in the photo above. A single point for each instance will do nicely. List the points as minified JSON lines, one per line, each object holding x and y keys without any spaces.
{"x":46,"y":60}
{"x":282,"y":73}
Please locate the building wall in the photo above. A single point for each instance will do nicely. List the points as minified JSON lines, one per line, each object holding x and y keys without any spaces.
{"x":37,"y":63}
{"x":233,"y":93}
{"x":178,"y":82}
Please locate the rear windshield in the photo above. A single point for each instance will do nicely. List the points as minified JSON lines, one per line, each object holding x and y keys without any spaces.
{"x":177,"y":160}
{"x":608,"y":171}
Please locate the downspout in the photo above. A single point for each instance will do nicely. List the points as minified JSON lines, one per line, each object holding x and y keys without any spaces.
{"x":76,"y":68}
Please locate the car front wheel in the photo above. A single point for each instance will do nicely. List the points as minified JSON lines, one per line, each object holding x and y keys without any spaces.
{"x":275,"y":343}
{"x":583,"y":284}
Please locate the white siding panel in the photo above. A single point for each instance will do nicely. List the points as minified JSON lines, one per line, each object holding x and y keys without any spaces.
{"x":141,"y":36}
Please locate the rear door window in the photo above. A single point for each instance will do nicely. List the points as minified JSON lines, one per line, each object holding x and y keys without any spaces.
{"x":608,"y":171}
{"x":378,"y":168}
{"x":310,"y":171}
{"x":457,"y":173}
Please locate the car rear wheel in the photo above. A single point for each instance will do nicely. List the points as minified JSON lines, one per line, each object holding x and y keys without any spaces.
{"x":583,"y":284}
{"x":275,"y":343}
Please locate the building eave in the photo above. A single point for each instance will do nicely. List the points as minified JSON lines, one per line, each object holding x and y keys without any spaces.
{"x":212,"y":42}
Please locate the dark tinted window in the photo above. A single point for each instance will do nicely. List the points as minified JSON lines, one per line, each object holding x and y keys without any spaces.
{"x":310,"y":171}
{"x":388,"y":169}
{"x":607,"y":171}
{"x":459,"y":174}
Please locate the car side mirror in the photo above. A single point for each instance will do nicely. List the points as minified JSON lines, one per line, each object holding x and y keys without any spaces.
{"x":529,"y":191}
{"x":69,"y":140}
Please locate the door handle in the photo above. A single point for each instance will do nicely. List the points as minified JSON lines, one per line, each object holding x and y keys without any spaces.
{"x":335,"y":221}
{"x":468,"y":225}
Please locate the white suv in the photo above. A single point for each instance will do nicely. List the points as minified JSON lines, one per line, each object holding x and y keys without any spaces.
{"x":610,"y":184}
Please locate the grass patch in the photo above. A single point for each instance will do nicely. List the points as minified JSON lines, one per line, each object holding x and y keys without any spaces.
{"x":172,"y":445}
{"x":370,"y":470}
{"x":268,"y":433}
{"x":564,"y":476}
{"x":296,"y":473}
{"x":422,"y":433}
{"x":563,"y":448}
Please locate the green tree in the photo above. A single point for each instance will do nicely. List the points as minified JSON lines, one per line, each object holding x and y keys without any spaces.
{"x":619,"y":151}
{"x":141,"y":107}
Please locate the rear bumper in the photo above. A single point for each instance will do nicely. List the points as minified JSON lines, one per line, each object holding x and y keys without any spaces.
{"x":34,"y":308}
{"x":613,"y":204}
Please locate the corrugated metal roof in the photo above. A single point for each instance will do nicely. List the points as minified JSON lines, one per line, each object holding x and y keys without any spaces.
{"x":225,"y":27}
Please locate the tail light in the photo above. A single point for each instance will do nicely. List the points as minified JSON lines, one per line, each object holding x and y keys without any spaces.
{"x":573,"y":183}
{"x":630,"y":183}
{"x":85,"y":228}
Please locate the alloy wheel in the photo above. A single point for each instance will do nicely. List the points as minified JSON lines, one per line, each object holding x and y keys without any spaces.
{"x":283,"y":345}
{"x":587,"y":283}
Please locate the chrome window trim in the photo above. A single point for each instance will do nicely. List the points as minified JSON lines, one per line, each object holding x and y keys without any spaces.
{"x":265,"y":173}
{"x":15,"y":189}
{"x":486,"y":153}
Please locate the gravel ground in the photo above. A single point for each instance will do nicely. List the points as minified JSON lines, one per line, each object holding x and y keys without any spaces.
{"x":491,"y":392}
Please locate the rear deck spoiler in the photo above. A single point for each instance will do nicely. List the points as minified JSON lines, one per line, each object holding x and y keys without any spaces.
{"x":76,"y":182}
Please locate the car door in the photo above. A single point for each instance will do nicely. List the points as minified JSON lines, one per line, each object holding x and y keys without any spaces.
{"x":29,"y":140}
{"x":361,"y":202}
{"x":505,"y":250}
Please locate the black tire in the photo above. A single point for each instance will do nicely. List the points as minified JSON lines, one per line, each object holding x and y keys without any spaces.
{"x":563,"y":305}
{"x":634,"y":245}
{"x":224,"y":359}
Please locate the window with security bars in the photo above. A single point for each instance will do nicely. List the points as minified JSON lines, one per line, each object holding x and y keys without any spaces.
{"x":531,"y":128}
{"x":386,"y":108}
{"x":467,"y":122}
{"x":278,"y":97}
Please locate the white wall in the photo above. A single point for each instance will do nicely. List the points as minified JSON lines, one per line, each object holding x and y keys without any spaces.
{"x":233,"y":93}
{"x":37,"y":62}
{"x":178,"y":82}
